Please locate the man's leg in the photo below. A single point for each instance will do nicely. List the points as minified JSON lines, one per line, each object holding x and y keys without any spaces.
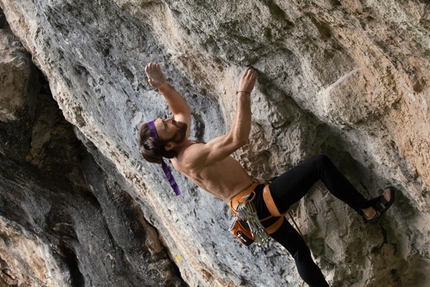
{"x":288,"y":237}
{"x":291,"y":186}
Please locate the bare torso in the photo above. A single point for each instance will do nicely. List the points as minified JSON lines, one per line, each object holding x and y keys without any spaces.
{"x":209,"y":165}
{"x":223,"y":179}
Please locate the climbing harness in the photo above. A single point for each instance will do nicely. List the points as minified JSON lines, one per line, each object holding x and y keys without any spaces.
{"x":246,"y":225}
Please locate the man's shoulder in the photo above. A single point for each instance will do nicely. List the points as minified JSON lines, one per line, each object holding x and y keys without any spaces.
{"x":192,"y":149}
{"x":191,"y":155}
{"x":194,"y":145}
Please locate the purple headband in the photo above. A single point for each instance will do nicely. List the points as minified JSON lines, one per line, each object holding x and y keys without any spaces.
{"x":166,"y":169}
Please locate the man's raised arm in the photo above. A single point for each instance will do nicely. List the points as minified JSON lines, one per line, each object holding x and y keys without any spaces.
{"x":241,"y":127}
{"x":176,"y":102}
{"x":221,"y":147}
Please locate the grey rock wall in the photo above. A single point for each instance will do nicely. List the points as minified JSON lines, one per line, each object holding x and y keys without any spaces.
{"x":346,"y":78}
{"x":66,"y":216}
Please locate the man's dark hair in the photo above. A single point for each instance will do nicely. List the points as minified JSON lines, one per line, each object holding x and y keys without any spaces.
{"x":153,"y":149}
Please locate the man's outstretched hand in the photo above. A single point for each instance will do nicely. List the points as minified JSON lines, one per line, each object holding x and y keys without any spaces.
{"x":247,"y":81}
{"x":155,"y":75}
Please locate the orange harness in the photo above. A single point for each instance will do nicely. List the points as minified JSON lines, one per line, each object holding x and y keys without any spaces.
{"x":248,"y":194}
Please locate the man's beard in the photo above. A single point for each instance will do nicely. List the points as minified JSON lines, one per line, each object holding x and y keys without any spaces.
{"x":179,"y":136}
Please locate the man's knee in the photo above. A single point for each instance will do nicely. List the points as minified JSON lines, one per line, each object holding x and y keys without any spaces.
{"x":321,"y":160}
{"x":302,"y":255}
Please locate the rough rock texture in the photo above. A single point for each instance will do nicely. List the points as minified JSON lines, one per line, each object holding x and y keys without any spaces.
{"x":66,"y":215}
{"x":350,"y":79}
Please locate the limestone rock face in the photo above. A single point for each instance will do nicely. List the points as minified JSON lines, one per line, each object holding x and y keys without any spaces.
{"x":80,"y":207}
{"x":66,"y":215}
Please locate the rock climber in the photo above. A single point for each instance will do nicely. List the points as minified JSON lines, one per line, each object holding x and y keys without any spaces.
{"x":211,"y":166}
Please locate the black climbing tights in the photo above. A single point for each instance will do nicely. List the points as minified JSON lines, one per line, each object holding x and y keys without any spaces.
{"x":294,"y":243}
{"x":292,"y":185}
{"x":289,"y":188}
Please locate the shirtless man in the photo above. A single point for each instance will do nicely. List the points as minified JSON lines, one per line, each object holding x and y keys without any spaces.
{"x":211,"y":167}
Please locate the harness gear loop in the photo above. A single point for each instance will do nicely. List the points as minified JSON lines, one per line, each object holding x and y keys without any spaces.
{"x":243,"y":209}
{"x":247,"y":212}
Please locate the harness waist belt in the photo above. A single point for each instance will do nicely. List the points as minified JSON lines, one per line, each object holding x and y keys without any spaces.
{"x":243,"y":196}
